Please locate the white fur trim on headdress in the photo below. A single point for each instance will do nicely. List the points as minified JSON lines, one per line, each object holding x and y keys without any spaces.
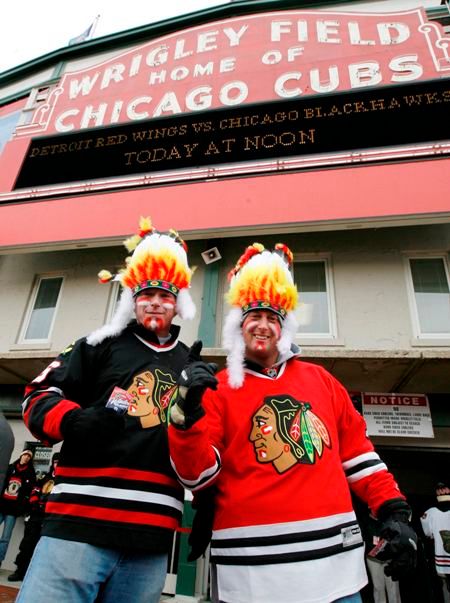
{"x":122,"y":316}
{"x":289,"y":328}
{"x":185,"y":306}
{"x":233,"y":342}
{"x":261,"y":280}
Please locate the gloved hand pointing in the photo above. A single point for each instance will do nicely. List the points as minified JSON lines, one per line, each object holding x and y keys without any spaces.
{"x":195,"y":377}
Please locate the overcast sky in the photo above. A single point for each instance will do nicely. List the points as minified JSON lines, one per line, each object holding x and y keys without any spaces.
{"x":31,"y":28}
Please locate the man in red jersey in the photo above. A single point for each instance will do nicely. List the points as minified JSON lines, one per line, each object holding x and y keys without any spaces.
{"x":283,"y":446}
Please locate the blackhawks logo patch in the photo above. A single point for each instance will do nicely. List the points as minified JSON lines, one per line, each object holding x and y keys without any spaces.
{"x":151,"y":395}
{"x":286,"y":431}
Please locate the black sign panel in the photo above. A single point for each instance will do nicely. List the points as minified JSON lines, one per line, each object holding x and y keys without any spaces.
{"x":379,"y":117}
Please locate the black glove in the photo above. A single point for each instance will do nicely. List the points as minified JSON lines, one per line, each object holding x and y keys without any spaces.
{"x":202,"y":525}
{"x":400,"y":550}
{"x":195,"y":377}
{"x":93,"y":424}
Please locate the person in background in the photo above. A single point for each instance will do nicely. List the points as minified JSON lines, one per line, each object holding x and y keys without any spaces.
{"x":111,"y":515}
{"x":436,"y":525}
{"x":14,"y":499}
{"x":384,"y":588}
{"x":6,"y":447}
{"x":33,"y":521}
{"x":283,"y":446}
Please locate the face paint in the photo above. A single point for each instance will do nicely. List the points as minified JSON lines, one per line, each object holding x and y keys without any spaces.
{"x":261,"y":331}
{"x":153,"y":323}
{"x":168,"y":305}
{"x":155,"y":310}
{"x":142,"y":303}
{"x":260,"y":341}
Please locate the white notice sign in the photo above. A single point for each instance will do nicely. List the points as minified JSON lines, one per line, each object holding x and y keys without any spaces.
{"x":400,"y":415}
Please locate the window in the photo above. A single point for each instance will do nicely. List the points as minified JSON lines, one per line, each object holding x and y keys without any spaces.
{"x":316,"y":310}
{"x":41,"y":313}
{"x":430,"y":284}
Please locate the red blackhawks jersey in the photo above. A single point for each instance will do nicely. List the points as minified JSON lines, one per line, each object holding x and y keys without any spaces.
{"x":284,"y":452}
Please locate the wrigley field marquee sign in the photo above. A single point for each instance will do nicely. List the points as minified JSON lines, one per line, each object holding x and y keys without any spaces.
{"x":256,"y":87}
{"x":379,"y":117}
{"x":256,"y":58}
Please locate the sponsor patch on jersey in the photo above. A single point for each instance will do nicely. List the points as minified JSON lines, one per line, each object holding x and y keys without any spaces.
{"x":351,"y":535}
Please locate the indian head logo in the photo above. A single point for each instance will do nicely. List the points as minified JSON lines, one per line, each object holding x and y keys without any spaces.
{"x":286,"y":432}
{"x":152,"y":394}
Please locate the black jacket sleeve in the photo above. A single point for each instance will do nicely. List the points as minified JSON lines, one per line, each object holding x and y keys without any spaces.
{"x":61,"y":387}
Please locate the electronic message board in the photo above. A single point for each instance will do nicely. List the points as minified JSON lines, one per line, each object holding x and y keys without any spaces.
{"x":347,"y":121}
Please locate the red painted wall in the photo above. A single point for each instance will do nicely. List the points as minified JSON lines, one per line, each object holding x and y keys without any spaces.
{"x":403,"y":189}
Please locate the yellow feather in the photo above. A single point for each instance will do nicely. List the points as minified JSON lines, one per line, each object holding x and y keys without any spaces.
{"x":104,"y":276}
{"x":145,"y":223}
{"x":132,"y":242}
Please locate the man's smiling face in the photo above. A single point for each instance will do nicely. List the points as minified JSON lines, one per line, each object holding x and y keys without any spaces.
{"x":261,"y":330}
{"x":155,"y":310}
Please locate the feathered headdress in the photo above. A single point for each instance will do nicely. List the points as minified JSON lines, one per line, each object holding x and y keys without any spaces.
{"x":158,"y":260}
{"x":261,"y":280}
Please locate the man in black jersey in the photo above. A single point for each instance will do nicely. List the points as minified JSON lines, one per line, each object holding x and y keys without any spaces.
{"x":116,"y":501}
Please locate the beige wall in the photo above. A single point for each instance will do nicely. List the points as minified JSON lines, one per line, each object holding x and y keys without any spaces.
{"x":368,"y":270}
{"x":83,"y":301}
{"x":369,"y":276}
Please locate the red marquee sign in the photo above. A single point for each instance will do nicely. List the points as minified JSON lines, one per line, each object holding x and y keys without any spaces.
{"x":250,"y":59}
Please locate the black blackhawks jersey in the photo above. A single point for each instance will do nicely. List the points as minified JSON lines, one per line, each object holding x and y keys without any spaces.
{"x":17,"y":488}
{"x":122,"y":493}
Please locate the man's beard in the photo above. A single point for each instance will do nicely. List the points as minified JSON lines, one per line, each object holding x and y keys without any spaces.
{"x":154,"y":323}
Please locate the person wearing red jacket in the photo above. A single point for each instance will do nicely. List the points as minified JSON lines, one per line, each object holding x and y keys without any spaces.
{"x":283,"y":447}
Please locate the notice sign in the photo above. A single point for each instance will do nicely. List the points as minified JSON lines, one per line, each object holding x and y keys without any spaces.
{"x":400,"y":415}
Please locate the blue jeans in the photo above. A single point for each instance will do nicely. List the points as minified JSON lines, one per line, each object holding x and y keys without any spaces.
{"x":9,"y":521}
{"x":76,"y":572}
{"x":356,"y":598}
